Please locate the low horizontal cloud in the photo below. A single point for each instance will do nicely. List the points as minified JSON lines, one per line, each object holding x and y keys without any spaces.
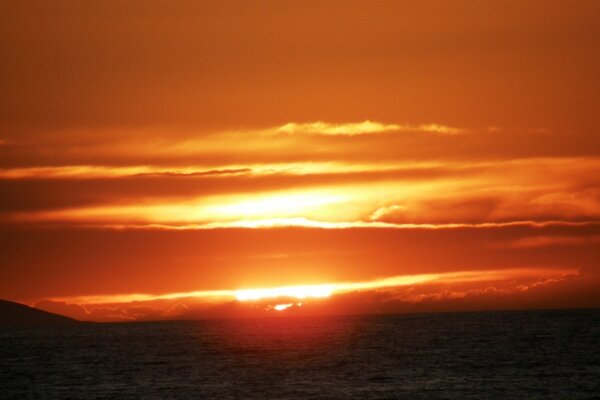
{"x":393,"y":294}
{"x":336,"y":287}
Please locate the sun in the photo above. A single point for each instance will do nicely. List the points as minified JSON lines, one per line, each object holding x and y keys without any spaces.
{"x":281,"y":307}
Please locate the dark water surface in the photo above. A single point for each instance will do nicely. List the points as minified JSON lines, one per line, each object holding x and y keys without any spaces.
{"x":532,"y":354}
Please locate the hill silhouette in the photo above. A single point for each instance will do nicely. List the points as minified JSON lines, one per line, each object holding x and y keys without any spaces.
{"x":17,"y":315}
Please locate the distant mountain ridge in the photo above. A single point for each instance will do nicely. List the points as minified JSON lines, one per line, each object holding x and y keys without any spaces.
{"x":15,"y":315}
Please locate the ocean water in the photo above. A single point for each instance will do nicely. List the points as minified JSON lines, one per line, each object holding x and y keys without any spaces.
{"x":490,"y":355}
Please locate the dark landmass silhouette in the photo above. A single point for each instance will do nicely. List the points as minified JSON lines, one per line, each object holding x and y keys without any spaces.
{"x":15,"y":315}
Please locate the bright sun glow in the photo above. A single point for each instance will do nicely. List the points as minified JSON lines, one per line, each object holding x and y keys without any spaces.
{"x":273,"y":205}
{"x":281,"y":307}
{"x":298,"y":292}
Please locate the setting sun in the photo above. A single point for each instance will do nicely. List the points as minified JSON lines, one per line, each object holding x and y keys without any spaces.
{"x":281,"y":307}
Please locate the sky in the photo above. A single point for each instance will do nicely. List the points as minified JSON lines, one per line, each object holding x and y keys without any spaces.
{"x":185,"y":159}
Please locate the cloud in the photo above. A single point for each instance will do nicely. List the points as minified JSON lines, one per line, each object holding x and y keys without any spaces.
{"x":96,"y":172}
{"x":450,"y":192}
{"x":113,"y":151}
{"x":281,"y":223}
{"x":64,"y":308}
{"x":176,"y":310}
{"x":362,"y":128}
{"x":434,"y":128}
{"x":501,"y":288}
{"x":496,"y":200}
{"x":550,"y":241}
{"x":412,"y":192}
{"x":325,"y":289}
{"x":114,"y":312}
{"x":474,"y":289}
{"x":327,"y":207}
{"x":384,"y":211}
{"x":406,"y":169}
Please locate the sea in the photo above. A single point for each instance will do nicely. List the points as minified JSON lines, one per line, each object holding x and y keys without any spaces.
{"x":476,"y":355}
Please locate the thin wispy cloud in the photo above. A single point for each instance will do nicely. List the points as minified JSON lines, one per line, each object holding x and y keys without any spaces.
{"x":362,"y":128}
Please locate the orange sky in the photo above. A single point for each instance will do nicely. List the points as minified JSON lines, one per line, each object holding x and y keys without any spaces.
{"x":155,"y":154}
